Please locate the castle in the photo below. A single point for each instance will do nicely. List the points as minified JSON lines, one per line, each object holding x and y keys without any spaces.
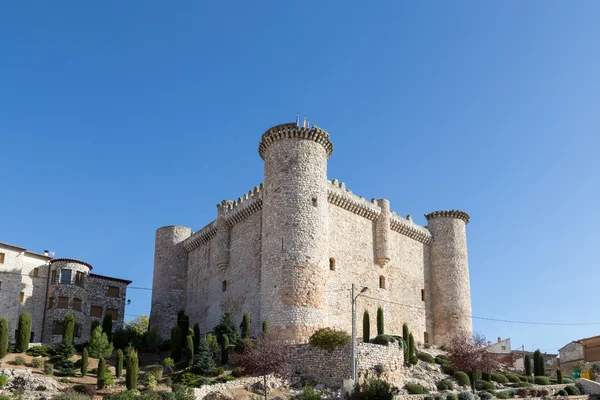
{"x":288,"y":252}
{"x":49,"y":288}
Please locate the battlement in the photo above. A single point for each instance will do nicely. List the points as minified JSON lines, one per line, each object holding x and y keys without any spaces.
{"x":227,"y":205}
{"x":202,"y":236}
{"x":449,"y":213}
{"x":291,"y":130}
{"x":338,"y":195}
{"x":407,"y":227}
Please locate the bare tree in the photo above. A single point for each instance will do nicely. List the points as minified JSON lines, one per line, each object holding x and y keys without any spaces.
{"x":468,"y":354}
{"x":265,"y":356}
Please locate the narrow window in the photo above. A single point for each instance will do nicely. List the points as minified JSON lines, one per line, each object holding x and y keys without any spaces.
{"x":112,"y":312}
{"x":50,"y":301}
{"x":65,"y":276}
{"x":79,"y":278}
{"x":314,"y":201}
{"x":63,"y":302}
{"x":31,"y":336}
{"x":2,"y":255}
{"x":503,"y":347}
{"x":54,"y":278}
{"x":426,"y":337}
{"x":59,"y":328}
{"x":22,"y":297}
{"x":77,"y":331}
{"x":382,"y":282}
{"x":422,"y":294}
{"x":96,"y":311}
{"x":224,"y":286}
{"x":77,"y":304}
{"x":113,"y":291}
{"x":332,"y":264}
{"x":36,"y":272}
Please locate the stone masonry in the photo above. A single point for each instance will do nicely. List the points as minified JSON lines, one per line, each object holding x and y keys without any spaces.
{"x":289,"y":250}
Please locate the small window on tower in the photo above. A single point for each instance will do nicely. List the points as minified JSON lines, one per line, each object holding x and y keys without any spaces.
{"x":426,"y":337}
{"x":36,"y":272}
{"x":382,"y":282}
{"x":314,"y":201}
{"x":22,"y":297}
{"x":422,"y":294}
{"x":224,"y":286}
{"x":2,"y":256}
{"x":332,"y":264}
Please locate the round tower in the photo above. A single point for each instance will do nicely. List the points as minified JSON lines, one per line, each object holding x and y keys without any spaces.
{"x":449,"y":269}
{"x":295,"y":230}
{"x":169,"y":281}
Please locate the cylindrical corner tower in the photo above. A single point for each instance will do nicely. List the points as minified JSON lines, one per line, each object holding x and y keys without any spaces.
{"x":295,"y":230}
{"x":169,"y":281}
{"x":450,"y":288}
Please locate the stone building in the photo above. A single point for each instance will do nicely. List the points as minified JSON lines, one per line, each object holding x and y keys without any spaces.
{"x":289,"y":250}
{"x":582,"y":353}
{"x":49,"y":288}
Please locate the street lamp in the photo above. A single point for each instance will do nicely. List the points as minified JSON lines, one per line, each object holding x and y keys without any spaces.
{"x":353,"y":297}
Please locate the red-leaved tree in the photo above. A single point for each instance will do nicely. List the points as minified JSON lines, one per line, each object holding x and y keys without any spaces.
{"x":265,"y":356}
{"x":468,"y":354}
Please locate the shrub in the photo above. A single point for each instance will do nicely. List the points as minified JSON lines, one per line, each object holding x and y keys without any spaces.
{"x":413,"y":360}
{"x":374,"y":389}
{"x":545,"y":392}
{"x":189,"y":350}
{"x":176,"y":343}
{"x":562,"y":392}
{"x":411,"y":346}
{"x":69,"y":331}
{"x":492,"y":392}
{"x":329,"y":339}
{"x":238,"y":371}
{"x":366,"y":327}
{"x":521,"y":385}
{"x":462,"y":378}
{"x":380,"y":321}
{"x":428,"y":358}
{"x":559,"y":376}
{"x":246,"y":326}
{"x":452,"y":396}
{"x":499,"y":378}
{"x":150,"y":382}
{"x":224,"y":378}
{"x":100,"y":373}
{"x":107,"y":327}
{"x":265,"y":328}
{"x":503,"y":395}
{"x":415,"y":388}
{"x":48,"y":369}
{"x":72,"y":395}
{"x":522,"y":392}
{"x":567,"y":379}
{"x":217,"y":371}
{"x":485,"y":395}
{"x":3,"y":337}
{"x":131,"y":374}
{"x":527,"y":362}
{"x":224,"y":349}
{"x":156,"y":370}
{"x":37,"y":362}
{"x":383,"y":340}
{"x":448,"y":370}
{"x":484,"y":385}
{"x":84,"y":362}
{"x":19,"y":360}
{"x":308,"y":394}
{"x":99,"y":344}
{"x":3,"y":380}
{"x":466,"y":396}
{"x":204,"y":362}
{"x":379,"y":368}
{"x":445,"y":384}
{"x":190,"y":379}
{"x":65,"y":350}
{"x":23,"y":332}
{"x":541,"y":380}
{"x":40,"y":351}
{"x":119,"y":366}
{"x":512,"y":377}
{"x":428,"y":398}
{"x":441,"y":360}
{"x":486,"y":377}
{"x":572,"y":390}
{"x":439,"y":397}
{"x":227,"y":326}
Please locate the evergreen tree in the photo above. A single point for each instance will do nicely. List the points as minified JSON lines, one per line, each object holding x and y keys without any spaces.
{"x":536,"y":362}
{"x":380,"y":325}
{"x":84,"y":362}
{"x":405,"y":335}
{"x":246,"y":326}
{"x":227,"y":326}
{"x":95,"y":324}
{"x":101,"y":372}
{"x":24,"y":332}
{"x":69,"y":331}
{"x":119,"y":367}
{"x":107,"y":327}
{"x":527,"y":362}
{"x":204,"y":360}
{"x":183,"y":321}
{"x":131,"y":374}
{"x":99,"y":344}
{"x":176,"y":343}
{"x":542,"y":365}
{"x":366,"y":327}
{"x":265,"y":328}
{"x":405,"y":332}
{"x":224,"y":349}
{"x":411,"y":345}
{"x":196,"y":335}
{"x":3,"y":337}
{"x":559,"y":378}
{"x":189,"y":350}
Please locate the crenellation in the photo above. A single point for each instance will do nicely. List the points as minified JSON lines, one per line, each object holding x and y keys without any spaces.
{"x":408,"y":228}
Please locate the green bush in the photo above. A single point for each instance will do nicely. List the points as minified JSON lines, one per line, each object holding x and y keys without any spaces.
{"x":441,"y":360}
{"x":572,"y":390}
{"x":190,"y":379}
{"x":224,"y":378}
{"x":428,"y":358}
{"x":329,"y":338}
{"x":224,"y":349}
{"x":521,"y":385}
{"x":512,"y":377}
{"x":265,"y":327}
{"x":466,"y":396}
{"x":559,"y":376}
{"x":189,"y":350}
{"x":492,"y":392}
{"x":541,"y":380}
{"x":439,"y":397}
{"x":238,"y":371}
{"x":131,"y":374}
{"x":308,"y":394}
{"x":366,"y":327}
{"x":448,"y":370}
{"x":71,"y":395}
{"x":3,"y":380}
{"x":40,"y":351}
{"x":452,"y":396}
{"x":445,"y":384}
{"x":19,"y":360}
{"x":69,"y":331}
{"x":204,"y":361}
{"x":217,"y":371}
{"x":227,"y":326}
{"x":23,"y":332}
{"x":411,"y":346}
{"x":100,"y":374}
{"x":156,"y":370}
{"x":84,"y":362}
{"x":3,"y":337}
{"x":119,"y":366}
{"x":486,"y":377}
{"x":504,"y":394}
{"x":374,"y":389}
{"x":107,"y":327}
{"x":150,"y":382}
{"x":176,"y":343}
{"x":567,"y":379}
{"x":383,"y":340}
{"x":500,"y":378}
{"x":413,"y":360}
{"x":485,"y":395}
{"x":380,"y":321}
{"x":246,"y":326}
{"x":99,"y":344}
{"x":48,"y":369}
{"x":428,"y":398}
{"x":484,"y":385}
{"x":415,"y":388}
{"x":562,"y":392}
{"x":37,"y":362}
{"x":527,"y":361}
{"x":462,"y":378}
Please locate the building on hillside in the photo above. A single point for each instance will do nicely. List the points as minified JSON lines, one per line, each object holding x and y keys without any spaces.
{"x":49,"y":288}
{"x":580,"y":352}
{"x":550,"y":360}
{"x":289,"y":251}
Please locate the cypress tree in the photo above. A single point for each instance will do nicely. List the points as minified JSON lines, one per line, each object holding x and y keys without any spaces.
{"x":405,"y":332}
{"x":95,"y":324}
{"x":101,"y":371}
{"x":536,"y":363}
{"x":119,"y":367}
{"x":527,"y":362}
{"x":411,"y":345}
{"x":3,"y":337}
{"x":366,"y":327}
{"x":107,"y":327}
{"x":265,"y":328}
{"x":131,"y":374}
{"x":380,"y":329}
{"x":542,"y":365}
{"x":183,"y":321}
{"x":189,"y":350}
{"x":196,"y":335}
{"x":559,"y":379}
{"x":225,"y":350}
{"x":69,"y":330}
{"x":246,"y":326}
{"x":24,"y":332}
{"x":84,"y":362}
{"x":175,"y":343}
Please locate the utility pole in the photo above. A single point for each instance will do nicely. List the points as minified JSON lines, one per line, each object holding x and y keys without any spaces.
{"x":353,"y":298}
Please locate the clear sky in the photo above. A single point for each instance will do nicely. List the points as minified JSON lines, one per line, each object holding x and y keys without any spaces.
{"x":117,"y":118}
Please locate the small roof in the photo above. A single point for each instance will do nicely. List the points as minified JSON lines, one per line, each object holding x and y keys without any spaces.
{"x":71,"y":260}
{"x":3,"y":244}
{"x":110,"y":278}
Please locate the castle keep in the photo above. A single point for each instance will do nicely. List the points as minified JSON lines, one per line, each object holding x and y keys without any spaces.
{"x":289,"y":250}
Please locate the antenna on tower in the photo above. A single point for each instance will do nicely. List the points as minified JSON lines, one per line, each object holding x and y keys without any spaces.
{"x":297,"y":120}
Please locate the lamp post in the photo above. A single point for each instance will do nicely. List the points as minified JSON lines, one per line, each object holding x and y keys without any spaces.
{"x":364,"y":289}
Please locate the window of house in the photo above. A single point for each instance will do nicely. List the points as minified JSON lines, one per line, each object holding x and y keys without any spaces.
{"x":59,"y":328}
{"x":76,"y":304}
{"x":36,"y":272}
{"x":65,"y":276}
{"x":224,"y":286}
{"x":96,"y":311}
{"x":79,"y":278}
{"x":22,"y":297}
{"x":50,"y":301}
{"x":422,"y":294}
{"x":31,"y":337}
{"x":77,"y":332}
{"x":503,"y":347}
{"x":63,"y":302}
{"x":382,"y":282}
{"x":426,"y":337}
{"x":314,"y":201}
{"x":332,"y":264}
{"x":112,"y":312}
{"x":2,"y":255}
{"x":54,"y":278}
{"x":113,"y":291}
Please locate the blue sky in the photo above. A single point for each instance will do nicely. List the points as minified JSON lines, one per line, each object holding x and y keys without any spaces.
{"x":117,"y":118}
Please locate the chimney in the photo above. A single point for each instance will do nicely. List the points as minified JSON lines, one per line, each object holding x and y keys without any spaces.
{"x":46,"y":253}
{"x":499,"y":339}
